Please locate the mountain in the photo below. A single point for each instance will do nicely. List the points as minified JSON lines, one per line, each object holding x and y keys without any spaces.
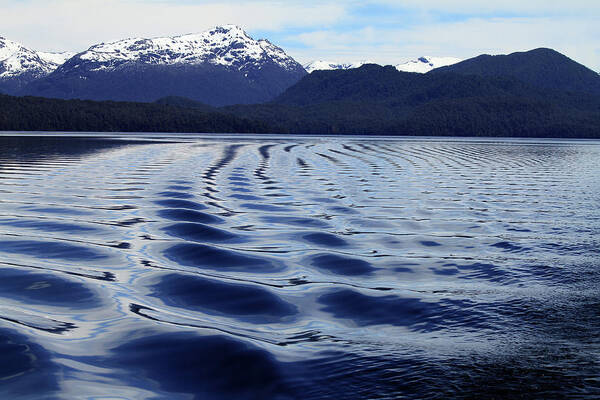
{"x":368,"y":100}
{"x":332,"y":65}
{"x":420,"y":65}
{"x":57,"y":59}
{"x":220,"y":66}
{"x":542,"y":68}
{"x":20,"y":65}
{"x":369,"y":82}
{"x":423,"y":65}
{"x":377,"y":84}
{"x":382,"y":100}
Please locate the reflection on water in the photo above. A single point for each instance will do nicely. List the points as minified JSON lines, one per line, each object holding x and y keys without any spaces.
{"x":299,"y":268}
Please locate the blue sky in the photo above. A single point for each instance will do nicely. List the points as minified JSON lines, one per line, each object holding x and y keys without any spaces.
{"x":383,"y":31}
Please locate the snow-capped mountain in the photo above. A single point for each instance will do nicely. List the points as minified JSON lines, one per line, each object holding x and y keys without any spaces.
{"x":20,"y":65}
{"x":221,"y":66}
{"x":420,"y":65}
{"x":423,"y":65}
{"x":56,"y":59}
{"x":16,"y":60}
{"x":227,"y":46}
{"x":331,"y":65}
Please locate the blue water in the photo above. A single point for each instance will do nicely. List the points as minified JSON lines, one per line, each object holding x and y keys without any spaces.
{"x":298,"y":268}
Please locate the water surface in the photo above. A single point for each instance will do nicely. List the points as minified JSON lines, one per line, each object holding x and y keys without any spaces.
{"x":225,"y":267}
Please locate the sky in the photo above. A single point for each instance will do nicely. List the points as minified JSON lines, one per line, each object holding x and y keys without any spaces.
{"x":381,"y":31}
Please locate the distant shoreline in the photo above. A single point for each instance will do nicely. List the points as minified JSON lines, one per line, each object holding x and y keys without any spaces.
{"x":183,"y":135}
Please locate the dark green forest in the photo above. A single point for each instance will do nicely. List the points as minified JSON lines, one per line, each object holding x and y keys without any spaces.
{"x":41,"y":114}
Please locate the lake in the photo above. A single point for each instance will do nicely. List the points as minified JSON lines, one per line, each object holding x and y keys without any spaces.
{"x":240,"y":267}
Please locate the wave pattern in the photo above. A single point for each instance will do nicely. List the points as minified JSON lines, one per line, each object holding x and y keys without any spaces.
{"x":299,"y":268}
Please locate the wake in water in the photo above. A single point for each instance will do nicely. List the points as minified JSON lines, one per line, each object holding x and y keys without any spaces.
{"x":298,"y":268}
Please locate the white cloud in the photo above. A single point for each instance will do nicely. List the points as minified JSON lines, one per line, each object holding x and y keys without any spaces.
{"x":578,"y":38}
{"x":76,"y":24}
{"x":515,"y":7}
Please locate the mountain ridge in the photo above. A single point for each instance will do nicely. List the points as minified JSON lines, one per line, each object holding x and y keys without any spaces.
{"x":425,"y":64}
{"x":494,"y":96}
{"x":321,"y":65}
{"x":541,"y":67}
{"x":227,"y":45}
{"x":221,"y":66}
{"x":20,"y":65}
{"x":382,"y":100}
{"x":420,"y":65}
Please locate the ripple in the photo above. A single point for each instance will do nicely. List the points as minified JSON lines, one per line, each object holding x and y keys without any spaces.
{"x":204,"y":256}
{"x":249,"y":303}
{"x":429,"y":243}
{"x":265,"y":207}
{"x":58,"y":210}
{"x":53,"y":250}
{"x":299,"y":267}
{"x":510,"y":247}
{"x":245,"y":197}
{"x":296,"y":221}
{"x":179,"y":188}
{"x":343,"y":210}
{"x":176,"y":195}
{"x":342,"y":265}
{"x":401,"y":311}
{"x":181,"y":204}
{"x":48,"y":226}
{"x":201,"y":233}
{"x":215,"y":367}
{"x":176,"y":214}
{"x":44,"y":324}
{"x":477,"y":270}
{"x":49,"y":289}
{"x":324,"y":239}
{"x":26,"y":369}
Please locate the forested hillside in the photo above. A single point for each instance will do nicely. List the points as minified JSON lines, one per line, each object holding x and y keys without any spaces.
{"x":40,"y":114}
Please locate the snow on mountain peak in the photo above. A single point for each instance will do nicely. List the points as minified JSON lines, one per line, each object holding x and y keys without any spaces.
{"x":16,"y":60}
{"x":57,"y":59}
{"x":321,"y":65}
{"x":227,"y":45}
{"x":420,"y":65}
{"x":425,"y":64}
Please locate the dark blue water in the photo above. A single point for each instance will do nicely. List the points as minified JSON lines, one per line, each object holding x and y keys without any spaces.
{"x":299,"y":268}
